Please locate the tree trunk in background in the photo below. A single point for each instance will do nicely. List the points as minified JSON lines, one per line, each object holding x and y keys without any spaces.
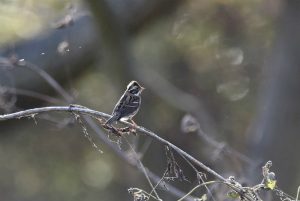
{"x":275,"y":134}
{"x":83,"y":42}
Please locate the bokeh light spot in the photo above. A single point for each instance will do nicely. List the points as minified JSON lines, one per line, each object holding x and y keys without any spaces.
{"x":97,"y":173}
{"x":28,"y":182}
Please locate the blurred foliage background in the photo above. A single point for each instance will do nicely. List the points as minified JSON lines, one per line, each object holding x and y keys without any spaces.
{"x":231,"y":64}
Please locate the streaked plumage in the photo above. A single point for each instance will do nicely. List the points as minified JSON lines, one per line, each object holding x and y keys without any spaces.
{"x":128,"y":105}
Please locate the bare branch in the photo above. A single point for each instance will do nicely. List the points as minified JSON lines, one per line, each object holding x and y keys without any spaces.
{"x":97,"y":115}
{"x":225,"y":147}
{"x":46,"y":77}
{"x":55,"y":85}
{"x":190,"y":124}
{"x":36,"y":95}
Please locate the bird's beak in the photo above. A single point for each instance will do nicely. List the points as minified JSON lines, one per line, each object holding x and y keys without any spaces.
{"x":142,"y":88}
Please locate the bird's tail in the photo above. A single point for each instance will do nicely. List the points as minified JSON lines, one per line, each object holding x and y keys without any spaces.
{"x":111,"y":120}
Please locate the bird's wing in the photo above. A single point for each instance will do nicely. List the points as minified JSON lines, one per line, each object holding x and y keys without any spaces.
{"x":126,"y":104}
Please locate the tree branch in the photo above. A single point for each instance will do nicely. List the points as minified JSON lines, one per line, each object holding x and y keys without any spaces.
{"x":91,"y":123}
{"x":97,"y":114}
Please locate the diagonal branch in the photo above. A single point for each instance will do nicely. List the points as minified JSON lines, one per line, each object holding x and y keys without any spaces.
{"x":46,"y":77}
{"x":174,"y":191}
{"x":97,"y":114}
{"x":36,"y":95}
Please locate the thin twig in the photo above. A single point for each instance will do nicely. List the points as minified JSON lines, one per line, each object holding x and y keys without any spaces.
{"x":159,"y":182}
{"x":280,"y":193}
{"x":225,"y":147}
{"x":36,"y":95}
{"x":140,"y":190}
{"x":298,"y":193}
{"x":197,"y":172}
{"x":142,"y":166}
{"x":203,"y":184}
{"x":86,"y":134}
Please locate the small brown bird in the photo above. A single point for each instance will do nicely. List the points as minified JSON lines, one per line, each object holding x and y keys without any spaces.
{"x":128,"y":105}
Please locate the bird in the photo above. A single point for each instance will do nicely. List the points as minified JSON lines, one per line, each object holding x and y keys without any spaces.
{"x":128,"y":105}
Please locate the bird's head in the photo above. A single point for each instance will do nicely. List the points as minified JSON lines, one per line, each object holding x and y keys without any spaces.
{"x":134,"y":88}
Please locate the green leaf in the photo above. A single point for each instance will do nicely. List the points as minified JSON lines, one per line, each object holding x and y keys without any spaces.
{"x":270,"y":184}
{"x":233,"y":194}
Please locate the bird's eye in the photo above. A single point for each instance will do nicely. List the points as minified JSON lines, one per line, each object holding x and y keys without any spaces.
{"x":134,"y":91}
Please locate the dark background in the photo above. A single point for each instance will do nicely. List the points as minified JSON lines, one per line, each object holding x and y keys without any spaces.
{"x":234,"y":65}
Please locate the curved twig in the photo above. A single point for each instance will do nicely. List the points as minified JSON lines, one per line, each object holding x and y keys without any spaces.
{"x":200,"y":185}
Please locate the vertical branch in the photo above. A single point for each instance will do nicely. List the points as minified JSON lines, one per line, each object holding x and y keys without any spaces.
{"x":142,"y":166}
{"x":278,"y":112}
